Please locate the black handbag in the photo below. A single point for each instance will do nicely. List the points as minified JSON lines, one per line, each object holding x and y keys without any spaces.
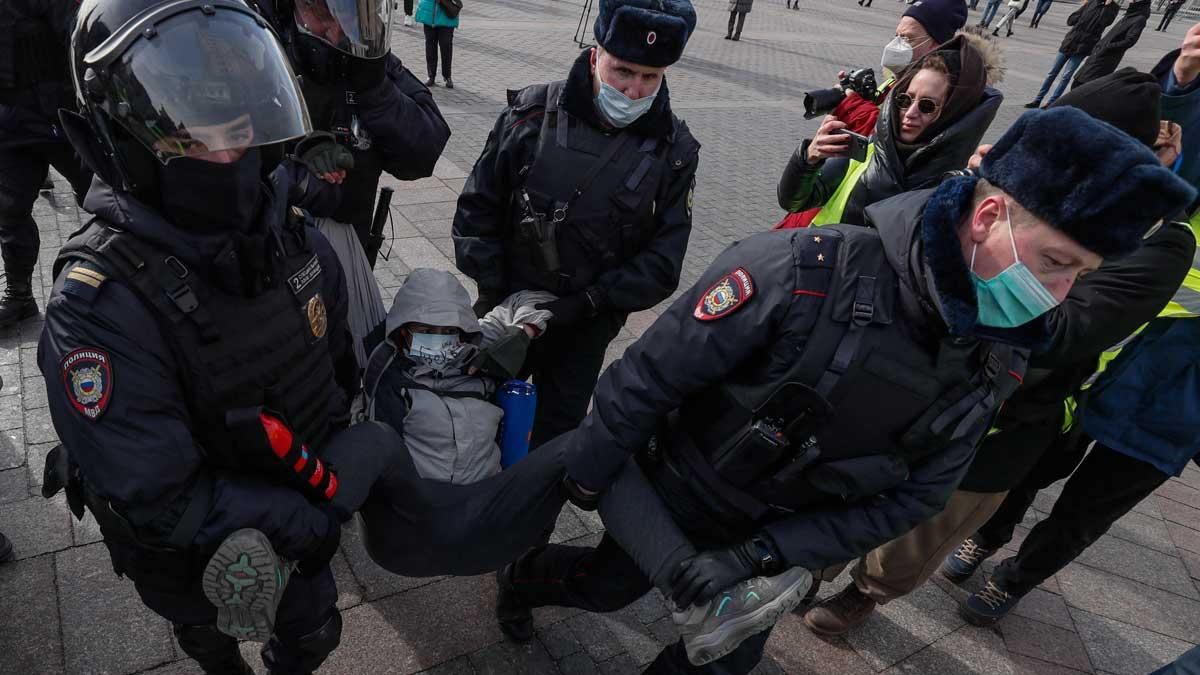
{"x":451,"y":7}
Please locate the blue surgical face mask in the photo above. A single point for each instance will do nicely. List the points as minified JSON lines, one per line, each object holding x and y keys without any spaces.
{"x":435,"y":350}
{"x":619,"y":109}
{"x":1013,"y":297}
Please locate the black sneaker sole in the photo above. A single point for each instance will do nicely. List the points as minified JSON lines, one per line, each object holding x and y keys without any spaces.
{"x":704,"y":649}
{"x":245,"y":580}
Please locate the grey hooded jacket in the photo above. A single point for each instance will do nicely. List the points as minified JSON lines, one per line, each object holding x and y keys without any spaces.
{"x":446,"y":416}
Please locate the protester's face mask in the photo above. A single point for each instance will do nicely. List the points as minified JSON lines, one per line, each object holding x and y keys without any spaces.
{"x":1014,"y":297}
{"x":897,"y":55}
{"x":619,"y":109}
{"x":435,"y":350}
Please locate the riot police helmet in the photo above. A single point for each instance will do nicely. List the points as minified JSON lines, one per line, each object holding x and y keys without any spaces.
{"x":181,"y":78}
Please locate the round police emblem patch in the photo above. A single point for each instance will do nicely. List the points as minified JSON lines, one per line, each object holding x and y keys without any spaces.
{"x":730,"y":292}
{"x":317,"y":320}
{"x":88,"y":379}
{"x":651,"y":37}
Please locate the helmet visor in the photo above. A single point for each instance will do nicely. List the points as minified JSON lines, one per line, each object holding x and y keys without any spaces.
{"x":206,"y":82}
{"x":356,"y":27}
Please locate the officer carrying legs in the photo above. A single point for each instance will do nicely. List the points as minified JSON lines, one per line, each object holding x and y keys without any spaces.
{"x":156,"y":387}
{"x":820,"y":392}
{"x":584,"y":189}
{"x":34,"y":84}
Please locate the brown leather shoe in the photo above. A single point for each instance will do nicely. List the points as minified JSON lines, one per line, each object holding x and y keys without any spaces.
{"x":839,"y":613}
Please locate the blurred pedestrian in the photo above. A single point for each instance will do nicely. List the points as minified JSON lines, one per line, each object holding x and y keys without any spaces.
{"x":439,"y":37}
{"x":738,"y":9}
{"x":1089,"y":22}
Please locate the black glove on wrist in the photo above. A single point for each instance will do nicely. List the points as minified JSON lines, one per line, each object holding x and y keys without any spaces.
{"x":699,"y":578}
{"x":322,"y":154}
{"x":365,"y":74}
{"x":577,"y":495}
{"x":571,"y":309}
{"x":313,"y":563}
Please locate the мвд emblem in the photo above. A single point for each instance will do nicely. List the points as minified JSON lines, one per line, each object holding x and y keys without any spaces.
{"x":88,"y":379}
{"x":318,"y":322}
{"x":730,"y":292}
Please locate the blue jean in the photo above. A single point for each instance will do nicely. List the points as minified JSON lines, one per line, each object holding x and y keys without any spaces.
{"x":1071,"y":63}
{"x":989,"y":13}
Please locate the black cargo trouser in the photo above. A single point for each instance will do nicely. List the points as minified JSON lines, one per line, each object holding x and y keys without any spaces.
{"x":1106,"y":486}
{"x":565,"y":364}
{"x":22,"y":172}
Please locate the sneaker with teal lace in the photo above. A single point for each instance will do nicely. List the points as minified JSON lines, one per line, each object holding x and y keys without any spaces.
{"x":245,"y":581}
{"x":990,"y":604}
{"x":717,"y":627}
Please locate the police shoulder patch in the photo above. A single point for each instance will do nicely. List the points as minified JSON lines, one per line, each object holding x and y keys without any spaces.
{"x":724,"y":297}
{"x":88,"y":378}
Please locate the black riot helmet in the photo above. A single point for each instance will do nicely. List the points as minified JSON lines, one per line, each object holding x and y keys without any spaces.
{"x":158,"y":80}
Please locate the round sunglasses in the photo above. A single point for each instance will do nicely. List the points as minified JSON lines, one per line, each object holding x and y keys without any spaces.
{"x":926,"y":106}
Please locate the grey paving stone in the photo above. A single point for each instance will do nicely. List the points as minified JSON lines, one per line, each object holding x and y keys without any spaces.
{"x":1046,"y":607}
{"x":1140,"y":563}
{"x":14,"y":485}
{"x":37,"y":525}
{"x":29,"y":623}
{"x":412,"y":631}
{"x":1125,"y":600}
{"x":799,"y":652}
{"x":1124,"y":649}
{"x":1045,"y":642}
{"x":12,"y":448}
{"x":905,"y":626}
{"x":506,"y":658}
{"x":966,"y":650}
{"x":105,"y":626}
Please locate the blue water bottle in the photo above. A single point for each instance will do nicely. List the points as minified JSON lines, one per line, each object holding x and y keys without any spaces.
{"x":518,"y":400}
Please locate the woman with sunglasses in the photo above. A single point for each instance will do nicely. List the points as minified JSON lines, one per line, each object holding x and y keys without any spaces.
{"x":930,"y":124}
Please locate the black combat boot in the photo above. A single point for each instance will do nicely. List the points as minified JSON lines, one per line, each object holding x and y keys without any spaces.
{"x":17,"y":303}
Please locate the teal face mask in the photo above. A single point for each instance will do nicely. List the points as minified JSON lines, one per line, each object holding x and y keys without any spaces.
{"x":1014,"y":297}
{"x":619,"y":109}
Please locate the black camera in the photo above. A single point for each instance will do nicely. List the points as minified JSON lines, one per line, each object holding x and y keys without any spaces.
{"x":823,"y":101}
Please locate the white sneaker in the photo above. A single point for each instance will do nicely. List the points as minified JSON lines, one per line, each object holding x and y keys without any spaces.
{"x":407,"y":20}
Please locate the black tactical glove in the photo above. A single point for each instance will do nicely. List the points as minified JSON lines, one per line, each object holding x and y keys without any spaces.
{"x":579,"y":495}
{"x":313,"y":563}
{"x":365,"y":74}
{"x":699,"y":578}
{"x":322,"y":154}
{"x":487,"y":302}
{"x":573,"y":308}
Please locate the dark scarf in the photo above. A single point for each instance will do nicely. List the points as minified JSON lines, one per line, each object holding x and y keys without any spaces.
{"x":951,"y":277}
{"x":579,"y":101}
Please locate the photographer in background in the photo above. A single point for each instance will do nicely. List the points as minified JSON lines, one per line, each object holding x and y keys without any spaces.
{"x":930,"y":124}
{"x":922,"y":29}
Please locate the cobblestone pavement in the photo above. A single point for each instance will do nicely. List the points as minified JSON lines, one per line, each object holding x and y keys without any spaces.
{"x":1130,"y":603}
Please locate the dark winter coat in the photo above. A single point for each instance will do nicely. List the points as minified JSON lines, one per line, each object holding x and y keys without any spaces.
{"x":1089,"y":22}
{"x":1102,"y":309}
{"x":1119,"y":39}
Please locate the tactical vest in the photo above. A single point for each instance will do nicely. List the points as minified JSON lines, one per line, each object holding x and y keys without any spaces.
{"x":842,"y":415}
{"x":232,"y":352}
{"x":598,"y":198}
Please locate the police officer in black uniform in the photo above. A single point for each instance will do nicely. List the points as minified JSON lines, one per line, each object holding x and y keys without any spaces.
{"x":584,"y":189}
{"x":189,"y":304}
{"x":821,"y":391}
{"x":34,"y":84}
{"x":359,"y":92}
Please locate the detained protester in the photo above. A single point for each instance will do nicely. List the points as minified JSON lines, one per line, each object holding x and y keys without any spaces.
{"x":749,"y":385}
{"x":931,"y":123}
{"x":584,"y":190}
{"x":34,"y":84}
{"x":1099,"y":311}
{"x":151,"y":374}
{"x":924,"y":26}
